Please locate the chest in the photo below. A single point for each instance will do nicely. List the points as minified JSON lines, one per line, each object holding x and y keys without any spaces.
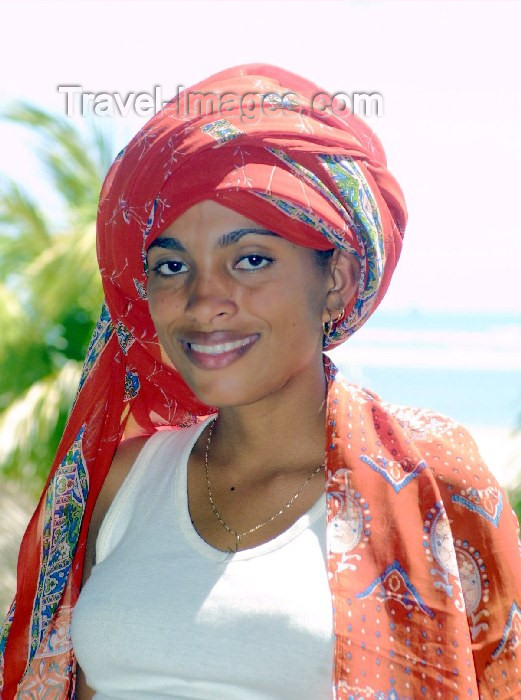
{"x":252,"y":511}
{"x":164,"y":609}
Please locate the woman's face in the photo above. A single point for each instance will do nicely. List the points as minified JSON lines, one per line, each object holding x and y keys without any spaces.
{"x":237,"y":309}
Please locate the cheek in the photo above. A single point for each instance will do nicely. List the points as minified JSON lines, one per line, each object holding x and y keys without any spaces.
{"x":164,"y":307}
{"x":292,"y":310}
{"x":273,"y":307}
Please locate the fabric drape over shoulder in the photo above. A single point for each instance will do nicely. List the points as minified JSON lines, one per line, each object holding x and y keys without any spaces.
{"x":423,"y":553}
{"x":253,"y":138}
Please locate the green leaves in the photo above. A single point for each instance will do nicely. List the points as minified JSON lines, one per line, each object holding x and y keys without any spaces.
{"x":75,"y":167}
{"x":32,"y":423}
{"x":50,"y":291}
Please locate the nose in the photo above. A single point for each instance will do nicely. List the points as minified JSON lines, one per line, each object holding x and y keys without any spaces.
{"x":210,"y":296}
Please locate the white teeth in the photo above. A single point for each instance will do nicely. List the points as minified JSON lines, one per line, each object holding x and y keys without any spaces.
{"x":223,"y":347}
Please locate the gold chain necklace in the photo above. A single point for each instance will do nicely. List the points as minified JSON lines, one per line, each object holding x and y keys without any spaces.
{"x":236,"y":534}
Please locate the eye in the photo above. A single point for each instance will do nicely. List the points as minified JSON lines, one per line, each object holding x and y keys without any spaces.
{"x":253,"y":262}
{"x":169,"y":268}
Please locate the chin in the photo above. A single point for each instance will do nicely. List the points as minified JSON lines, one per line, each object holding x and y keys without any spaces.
{"x":226,"y":393}
{"x":241,"y":383}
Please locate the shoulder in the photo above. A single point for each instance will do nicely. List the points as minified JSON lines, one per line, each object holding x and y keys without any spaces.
{"x":440,"y":439}
{"x":447,"y":446}
{"x":444,"y":445}
{"x":469,"y":490}
{"x":124,"y":462}
{"x":431,"y":428}
{"x":124,"y":458}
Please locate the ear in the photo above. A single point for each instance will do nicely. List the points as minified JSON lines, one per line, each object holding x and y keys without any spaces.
{"x":344,"y":276}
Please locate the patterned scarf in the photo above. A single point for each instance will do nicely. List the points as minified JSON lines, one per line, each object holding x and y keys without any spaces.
{"x":320,"y":180}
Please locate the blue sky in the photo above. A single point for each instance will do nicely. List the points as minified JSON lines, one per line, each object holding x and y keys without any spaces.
{"x":447,"y":71}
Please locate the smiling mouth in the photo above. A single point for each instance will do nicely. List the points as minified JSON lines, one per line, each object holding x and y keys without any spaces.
{"x":220,"y":348}
{"x":218,"y":355}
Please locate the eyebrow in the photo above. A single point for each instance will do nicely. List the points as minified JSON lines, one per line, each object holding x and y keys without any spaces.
{"x":227,"y":239}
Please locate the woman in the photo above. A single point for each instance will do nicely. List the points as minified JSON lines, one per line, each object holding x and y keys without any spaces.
{"x":297,"y":537}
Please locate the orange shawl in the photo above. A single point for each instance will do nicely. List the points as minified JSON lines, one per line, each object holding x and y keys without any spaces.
{"x":423,"y":556}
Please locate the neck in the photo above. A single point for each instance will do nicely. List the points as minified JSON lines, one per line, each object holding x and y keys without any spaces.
{"x":284,"y":430}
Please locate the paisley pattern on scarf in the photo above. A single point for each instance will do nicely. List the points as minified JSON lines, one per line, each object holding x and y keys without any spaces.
{"x":365,"y":222}
{"x":100,"y":336}
{"x":64,"y":506}
{"x":52,"y":672}
{"x":487,"y":502}
{"x":221,"y":130}
{"x":512,"y":635}
{"x":131,"y":384}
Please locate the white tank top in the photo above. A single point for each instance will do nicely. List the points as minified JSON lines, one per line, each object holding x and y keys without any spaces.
{"x":165,"y":614}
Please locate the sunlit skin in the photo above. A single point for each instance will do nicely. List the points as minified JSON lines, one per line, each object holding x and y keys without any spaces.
{"x":207,"y":276}
{"x":271,"y":399}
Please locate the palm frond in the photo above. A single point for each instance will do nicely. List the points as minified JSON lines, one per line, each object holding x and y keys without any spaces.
{"x":24,"y":356}
{"x":19,"y":213}
{"x":66,"y":274}
{"x":75,"y":163}
{"x":16,"y":507}
{"x":50,"y":291}
{"x":24,"y":231}
{"x":26,"y":425}
{"x":12,"y":318}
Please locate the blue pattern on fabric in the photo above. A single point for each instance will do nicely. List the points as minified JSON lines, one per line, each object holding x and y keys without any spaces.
{"x":120,"y":154}
{"x":363,"y":694}
{"x":140,"y":289}
{"x":151,"y":217}
{"x":287,"y":101}
{"x":406,"y":598}
{"x":512,"y":632}
{"x":477,"y":508}
{"x":338,"y":238}
{"x":304,"y":214}
{"x":155,"y":216}
{"x":221,"y":130}
{"x":64,"y":506}
{"x":124,"y":336}
{"x":99,"y":340}
{"x":401,"y":479}
{"x":132,"y":384}
{"x":6,"y":626}
{"x":363,"y":209}
{"x":442,"y":548}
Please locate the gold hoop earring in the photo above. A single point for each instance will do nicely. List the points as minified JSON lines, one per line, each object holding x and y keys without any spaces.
{"x":326,"y":329}
{"x":342,"y":312}
{"x":327,"y":326}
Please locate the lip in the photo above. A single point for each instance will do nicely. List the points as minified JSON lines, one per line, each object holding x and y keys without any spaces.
{"x":218,"y":339}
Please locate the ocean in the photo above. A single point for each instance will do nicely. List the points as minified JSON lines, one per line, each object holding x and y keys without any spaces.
{"x":466,"y":365}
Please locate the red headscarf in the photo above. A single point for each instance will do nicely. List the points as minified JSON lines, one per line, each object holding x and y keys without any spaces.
{"x":266,"y":145}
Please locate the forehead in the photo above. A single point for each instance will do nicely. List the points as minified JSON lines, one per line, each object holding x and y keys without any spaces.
{"x":217,"y":223}
{"x":208,"y":216}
